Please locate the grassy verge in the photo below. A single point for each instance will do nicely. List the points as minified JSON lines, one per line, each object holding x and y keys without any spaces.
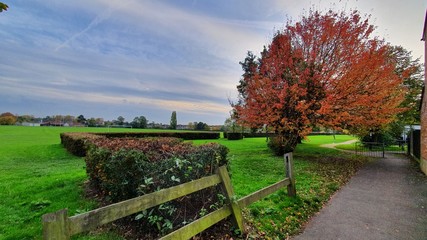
{"x":38,"y":176}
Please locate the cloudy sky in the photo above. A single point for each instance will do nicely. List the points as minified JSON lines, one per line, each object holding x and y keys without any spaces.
{"x":108,"y":58}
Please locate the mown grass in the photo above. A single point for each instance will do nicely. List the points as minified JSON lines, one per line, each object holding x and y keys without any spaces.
{"x":38,"y":176}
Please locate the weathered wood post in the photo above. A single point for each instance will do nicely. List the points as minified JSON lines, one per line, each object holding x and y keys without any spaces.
{"x":237,"y":212}
{"x":55,"y":225}
{"x":289,"y":168}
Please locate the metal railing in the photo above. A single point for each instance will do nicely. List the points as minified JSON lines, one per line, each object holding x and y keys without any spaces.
{"x":379,"y":149}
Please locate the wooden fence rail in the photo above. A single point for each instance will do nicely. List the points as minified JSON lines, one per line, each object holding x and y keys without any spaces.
{"x":59,"y":226}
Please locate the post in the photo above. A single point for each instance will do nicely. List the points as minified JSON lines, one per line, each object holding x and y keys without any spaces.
{"x":55,"y":225}
{"x":383,"y":150}
{"x":237,"y":213}
{"x":289,"y":165}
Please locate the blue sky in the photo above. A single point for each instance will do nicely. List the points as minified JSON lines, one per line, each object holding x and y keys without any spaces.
{"x":106,"y":58}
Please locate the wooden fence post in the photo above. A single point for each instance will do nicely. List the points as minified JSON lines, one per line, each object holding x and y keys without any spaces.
{"x":289,"y":165}
{"x":55,"y":225}
{"x":237,"y":212}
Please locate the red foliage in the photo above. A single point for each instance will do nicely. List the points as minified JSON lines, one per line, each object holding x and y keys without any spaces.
{"x":156,"y":149}
{"x":325,"y":69}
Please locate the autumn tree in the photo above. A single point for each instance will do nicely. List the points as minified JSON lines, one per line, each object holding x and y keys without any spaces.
{"x":412,"y":73}
{"x":326,"y":69}
{"x":7,"y":118}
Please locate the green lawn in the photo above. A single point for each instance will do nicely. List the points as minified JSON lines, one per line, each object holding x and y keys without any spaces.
{"x":38,"y":176}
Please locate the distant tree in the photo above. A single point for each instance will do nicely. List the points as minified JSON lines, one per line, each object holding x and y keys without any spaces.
{"x":58,"y":118}
{"x":7,"y":118}
{"x":191,"y":126}
{"x":230,"y":125}
{"x":202,"y":126}
{"x":47,"y":119}
{"x":81,"y":119}
{"x":26,"y":118}
{"x":139,"y":122}
{"x":69,"y":119}
{"x":99,"y":121}
{"x":120,"y":120}
{"x":3,"y":7}
{"x":91,"y":122}
{"x":173,"y":121}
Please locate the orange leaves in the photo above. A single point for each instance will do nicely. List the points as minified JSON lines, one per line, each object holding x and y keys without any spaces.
{"x":325,"y":69}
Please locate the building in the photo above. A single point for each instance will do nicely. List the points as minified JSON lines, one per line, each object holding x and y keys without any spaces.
{"x":423,"y":160}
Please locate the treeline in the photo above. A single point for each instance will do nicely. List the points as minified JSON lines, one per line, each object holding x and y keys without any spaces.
{"x":8,"y":118}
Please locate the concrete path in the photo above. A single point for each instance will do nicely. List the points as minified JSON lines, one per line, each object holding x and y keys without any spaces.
{"x":387,"y":199}
{"x":333,"y":145}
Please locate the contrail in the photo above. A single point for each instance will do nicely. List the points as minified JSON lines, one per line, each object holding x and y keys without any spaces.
{"x":97,"y":20}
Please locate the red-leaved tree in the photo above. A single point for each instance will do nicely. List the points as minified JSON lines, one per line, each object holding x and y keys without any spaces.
{"x":325,"y":70}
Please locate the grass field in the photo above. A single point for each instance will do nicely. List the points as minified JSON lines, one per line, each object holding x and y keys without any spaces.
{"x":38,"y":176}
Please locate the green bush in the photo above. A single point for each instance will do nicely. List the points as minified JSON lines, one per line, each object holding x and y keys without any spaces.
{"x":382,"y":137}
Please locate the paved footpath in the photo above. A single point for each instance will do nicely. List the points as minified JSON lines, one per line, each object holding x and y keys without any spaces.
{"x":387,"y":199}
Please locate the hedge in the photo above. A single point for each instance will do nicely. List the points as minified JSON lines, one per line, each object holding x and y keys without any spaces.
{"x":77,"y":143}
{"x":125,"y":168}
{"x":234,"y":136}
{"x":183,"y":135}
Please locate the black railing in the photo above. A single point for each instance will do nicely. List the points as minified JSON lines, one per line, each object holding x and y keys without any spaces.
{"x":378,"y":149}
{"x":371,"y":149}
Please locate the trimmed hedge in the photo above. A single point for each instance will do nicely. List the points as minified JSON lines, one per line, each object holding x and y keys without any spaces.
{"x":78,"y":143}
{"x":183,"y":135}
{"x":125,"y":168}
{"x":234,"y":136}
{"x":256,"y":135}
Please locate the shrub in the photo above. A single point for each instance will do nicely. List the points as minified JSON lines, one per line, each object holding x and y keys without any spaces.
{"x":234,"y":136}
{"x":278,"y":144}
{"x":383,"y":137}
{"x":77,"y":143}
{"x":256,"y":135}
{"x":127,"y":168}
{"x":183,"y":135}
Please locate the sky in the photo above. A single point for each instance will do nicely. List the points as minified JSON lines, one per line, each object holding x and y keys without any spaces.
{"x":129,"y":58}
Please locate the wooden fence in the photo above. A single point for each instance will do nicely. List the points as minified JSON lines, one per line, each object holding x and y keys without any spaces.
{"x":59,"y":226}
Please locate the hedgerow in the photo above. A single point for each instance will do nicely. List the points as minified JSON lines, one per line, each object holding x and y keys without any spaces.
{"x":78,"y":143}
{"x":182,"y":135}
{"x":126,"y":168}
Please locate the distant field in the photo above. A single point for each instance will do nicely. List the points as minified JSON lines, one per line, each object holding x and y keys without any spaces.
{"x":38,"y":176}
